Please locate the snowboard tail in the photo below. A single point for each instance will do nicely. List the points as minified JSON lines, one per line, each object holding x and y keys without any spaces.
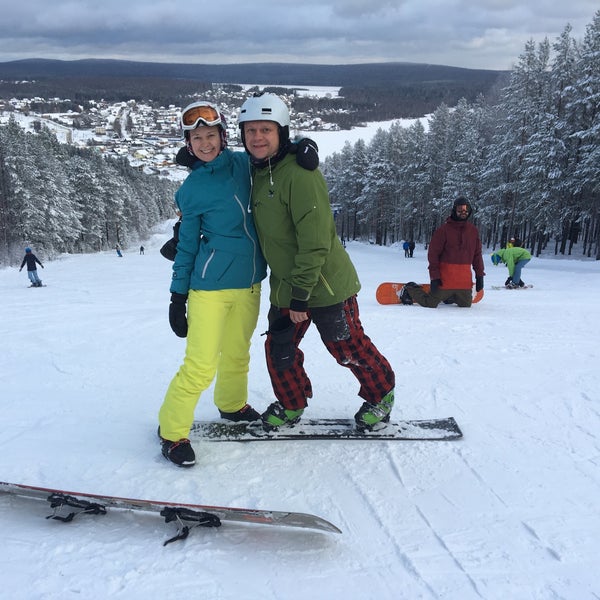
{"x":202,"y":515}
{"x":505,"y":287}
{"x":326,"y":429}
{"x":389,"y":292}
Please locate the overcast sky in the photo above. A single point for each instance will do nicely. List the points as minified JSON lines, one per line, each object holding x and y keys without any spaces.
{"x":487,"y":34}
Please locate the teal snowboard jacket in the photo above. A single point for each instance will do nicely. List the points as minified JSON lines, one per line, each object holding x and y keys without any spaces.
{"x":218,"y":246}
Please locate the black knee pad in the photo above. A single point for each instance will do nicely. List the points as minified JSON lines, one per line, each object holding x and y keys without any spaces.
{"x":331,"y":322}
{"x":283,"y":349}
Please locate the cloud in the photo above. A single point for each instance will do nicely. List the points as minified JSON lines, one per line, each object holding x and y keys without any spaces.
{"x":483,"y":34}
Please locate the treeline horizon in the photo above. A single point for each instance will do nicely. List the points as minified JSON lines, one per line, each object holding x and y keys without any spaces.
{"x":528,"y":162}
{"x":58,"y":198}
{"x":371,"y":92}
{"x":526,"y":156}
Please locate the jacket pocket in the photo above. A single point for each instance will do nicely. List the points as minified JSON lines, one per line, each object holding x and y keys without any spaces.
{"x":216,"y":265}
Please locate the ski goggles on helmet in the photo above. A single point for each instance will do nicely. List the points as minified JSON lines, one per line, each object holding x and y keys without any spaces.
{"x":193,"y":116}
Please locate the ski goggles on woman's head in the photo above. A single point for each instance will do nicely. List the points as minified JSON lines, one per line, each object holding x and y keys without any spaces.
{"x":192,"y":117}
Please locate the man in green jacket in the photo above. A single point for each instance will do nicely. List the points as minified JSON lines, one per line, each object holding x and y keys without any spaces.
{"x":515,"y":258}
{"x":312,"y":277}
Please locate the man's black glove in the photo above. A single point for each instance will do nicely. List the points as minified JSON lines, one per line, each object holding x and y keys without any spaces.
{"x":478,"y":283}
{"x":307,"y":153}
{"x":184,"y":158}
{"x":435,"y":285}
{"x":177,"y":318}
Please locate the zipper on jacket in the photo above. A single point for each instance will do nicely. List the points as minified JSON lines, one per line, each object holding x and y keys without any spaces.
{"x":252,"y":240}
{"x":208,"y":261}
{"x":326,"y":284}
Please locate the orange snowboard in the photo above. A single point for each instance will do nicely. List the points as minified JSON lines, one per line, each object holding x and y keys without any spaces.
{"x":388,"y":293}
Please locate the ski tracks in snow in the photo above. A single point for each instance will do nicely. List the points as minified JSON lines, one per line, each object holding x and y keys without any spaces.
{"x":387,"y":496}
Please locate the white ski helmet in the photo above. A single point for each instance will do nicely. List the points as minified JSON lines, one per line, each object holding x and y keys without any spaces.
{"x":202,"y":113}
{"x":266,"y":107}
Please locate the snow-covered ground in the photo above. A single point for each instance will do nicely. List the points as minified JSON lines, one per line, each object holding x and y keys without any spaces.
{"x":508,"y":512}
{"x":333,"y":141}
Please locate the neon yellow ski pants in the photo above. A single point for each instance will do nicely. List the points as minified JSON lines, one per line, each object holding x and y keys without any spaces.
{"x":220,"y":326}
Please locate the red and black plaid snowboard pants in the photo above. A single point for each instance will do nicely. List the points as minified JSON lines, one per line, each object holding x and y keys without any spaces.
{"x":343,"y":335}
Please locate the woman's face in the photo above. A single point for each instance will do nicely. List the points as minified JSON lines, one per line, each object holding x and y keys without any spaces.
{"x":206,"y":142}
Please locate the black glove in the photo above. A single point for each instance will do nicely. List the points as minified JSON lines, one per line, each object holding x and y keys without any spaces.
{"x":435,"y":285}
{"x":307,"y":153}
{"x":184,"y":158}
{"x":478,"y":283}
{"x":169,"y":249}
{"x":177,"y":318}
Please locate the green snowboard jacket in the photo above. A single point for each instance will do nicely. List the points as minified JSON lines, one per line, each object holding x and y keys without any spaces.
{"x":297,"y":236}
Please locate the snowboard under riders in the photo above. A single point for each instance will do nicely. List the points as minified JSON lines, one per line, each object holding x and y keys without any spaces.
{"x":220,"y":326}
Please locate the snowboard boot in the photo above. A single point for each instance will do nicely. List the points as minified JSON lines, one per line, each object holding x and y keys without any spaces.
{"x":521,"y":283}
{"x":276,"y":415}
{"x":404,"y":295}
{"x":246,"y":413}
{"x":371,"y":414}
{"x":179,"y":453}
{"x":508,"y":282}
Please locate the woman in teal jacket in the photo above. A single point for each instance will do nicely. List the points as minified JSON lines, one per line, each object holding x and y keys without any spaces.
{"x":217,"y":272}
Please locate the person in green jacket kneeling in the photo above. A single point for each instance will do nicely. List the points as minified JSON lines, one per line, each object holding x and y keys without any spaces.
{"x":515,"y":258}
{"x":311,"y":275}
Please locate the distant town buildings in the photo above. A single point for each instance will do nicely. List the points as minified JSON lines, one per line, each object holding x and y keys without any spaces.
{"x":149,"y":137}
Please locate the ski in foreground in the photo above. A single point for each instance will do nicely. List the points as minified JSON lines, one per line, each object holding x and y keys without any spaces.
{"x":199,"y":514}
{"x":327,"y":429}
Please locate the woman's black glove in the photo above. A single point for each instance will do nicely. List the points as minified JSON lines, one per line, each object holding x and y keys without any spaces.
{"x":307,"y":153}
{"x":177,"y":318}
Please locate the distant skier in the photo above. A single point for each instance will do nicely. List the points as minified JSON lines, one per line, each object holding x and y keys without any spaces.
{"x":30,"y":259}
{"x":141,"y":249}
{"x":118,"y":249}
{"x":515,"y":258}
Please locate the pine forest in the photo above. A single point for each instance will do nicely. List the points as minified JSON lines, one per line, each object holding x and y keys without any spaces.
{"x":527,"y":159}
{"x":528,"y":162}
